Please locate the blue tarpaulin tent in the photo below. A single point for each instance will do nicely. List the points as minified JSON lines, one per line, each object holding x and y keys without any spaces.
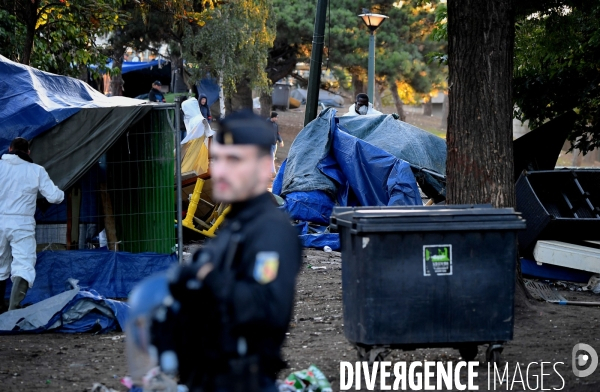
{"x":36,"y":101}
{"x":71,"y":125}
{"x":354,"y":161}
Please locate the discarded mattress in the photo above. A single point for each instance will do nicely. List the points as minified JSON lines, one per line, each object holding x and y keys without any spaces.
{"x":72,"y":311}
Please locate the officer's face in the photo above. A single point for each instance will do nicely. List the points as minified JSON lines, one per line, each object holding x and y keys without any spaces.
{"x":238,"y":172}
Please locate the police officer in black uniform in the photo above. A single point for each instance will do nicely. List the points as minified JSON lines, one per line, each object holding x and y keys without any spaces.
{"x":238,"y":293}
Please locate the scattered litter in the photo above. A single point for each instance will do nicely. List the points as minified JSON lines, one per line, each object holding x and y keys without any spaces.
{"x":127,"y":382}
{"x":593,"y":284}
{"x":115,"y":338}
{"x":327,"y":248}
{"x":97,"y":387}
{"x":319,"y":268}
{"x":544,"y":292}
{"x":308,"y":380}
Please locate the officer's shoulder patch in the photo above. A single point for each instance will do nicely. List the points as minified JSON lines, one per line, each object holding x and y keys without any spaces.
{"x":266,"y":267}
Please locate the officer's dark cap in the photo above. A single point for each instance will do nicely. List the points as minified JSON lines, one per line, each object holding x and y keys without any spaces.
{"x":244,"y":127}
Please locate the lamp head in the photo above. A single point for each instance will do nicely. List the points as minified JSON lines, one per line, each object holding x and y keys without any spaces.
{"x":372,"y":21}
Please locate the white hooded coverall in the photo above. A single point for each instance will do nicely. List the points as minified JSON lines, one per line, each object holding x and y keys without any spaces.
{"x":21,"y":182}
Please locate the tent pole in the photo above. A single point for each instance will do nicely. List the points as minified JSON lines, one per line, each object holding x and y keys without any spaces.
{"x":316,"y":57}
{"x":178,"y":178}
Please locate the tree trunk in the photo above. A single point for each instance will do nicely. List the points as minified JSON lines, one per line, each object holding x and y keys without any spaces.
{"x":479,"y":166}
{"x":266,"y":101}
{"x":83,"y":73}
{"x":177,"y":79}
{"x":241,"y":98}
{"x":397,"y":101}
{"x":116,"y":81}
{"x":31,"y":17}
{"x":445,"y":108}
{"x":428,"y":108}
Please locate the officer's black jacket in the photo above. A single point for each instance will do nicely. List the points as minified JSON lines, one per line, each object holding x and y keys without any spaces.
{"x":236,"y":304}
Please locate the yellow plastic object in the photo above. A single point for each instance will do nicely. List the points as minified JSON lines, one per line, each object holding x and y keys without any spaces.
{"x":218,"y":215}
{"x":195,"y":156}
{"x":189,"y":217}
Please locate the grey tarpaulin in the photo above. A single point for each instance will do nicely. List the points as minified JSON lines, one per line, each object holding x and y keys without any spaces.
{"x":419,"y":148}
{"x":404,"y":141}
{"x":310,"y":146}
{"x":70,"y":148}
{"x":36,"y":316}
{"x":72,"y":311}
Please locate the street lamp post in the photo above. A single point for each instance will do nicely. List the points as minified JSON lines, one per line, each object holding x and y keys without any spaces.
{"x":372,"y":21}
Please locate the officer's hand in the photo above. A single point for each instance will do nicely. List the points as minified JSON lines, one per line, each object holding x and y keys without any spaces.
{"x":183,"y":282}
{"x":396,"y":116}
{"x":282,"y":143}
{"x":204,"y":270}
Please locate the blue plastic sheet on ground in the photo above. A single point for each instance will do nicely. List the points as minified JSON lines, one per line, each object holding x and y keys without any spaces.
{"x":316,"y":236}
{"x":32,"y":101}
{"x":111,"y":274}
{"x":309,"y":228}
{"x":321,"y":240}
{"x":313,"y":206}
{"x":72,"y":311}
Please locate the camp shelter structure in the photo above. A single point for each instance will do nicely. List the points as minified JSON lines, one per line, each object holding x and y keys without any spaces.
{"x":114,"y":158}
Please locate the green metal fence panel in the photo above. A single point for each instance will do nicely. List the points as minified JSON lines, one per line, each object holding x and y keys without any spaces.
{"x":140,"y":177}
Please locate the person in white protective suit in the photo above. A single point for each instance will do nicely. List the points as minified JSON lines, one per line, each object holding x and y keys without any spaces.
{"x":362,"y":106}
{"x":21,"y":181}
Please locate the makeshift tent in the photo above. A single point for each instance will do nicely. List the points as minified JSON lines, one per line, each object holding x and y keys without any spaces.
{"x":114,"y":158}
{"x":357,"y":161}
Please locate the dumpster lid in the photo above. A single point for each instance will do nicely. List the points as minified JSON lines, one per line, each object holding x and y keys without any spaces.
{"x":426,"y":218}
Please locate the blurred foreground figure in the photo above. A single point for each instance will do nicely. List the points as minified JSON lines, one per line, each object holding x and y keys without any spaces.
{"x":226,"y":321}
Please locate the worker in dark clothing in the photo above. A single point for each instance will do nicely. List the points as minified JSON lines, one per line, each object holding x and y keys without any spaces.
{"x":204,"y":108}
{"x":241,"y":284}
{"x":155,"y":94}
{"x":276,"y":137}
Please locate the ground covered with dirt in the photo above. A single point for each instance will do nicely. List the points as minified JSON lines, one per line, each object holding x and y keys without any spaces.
{"x":543,"y":333}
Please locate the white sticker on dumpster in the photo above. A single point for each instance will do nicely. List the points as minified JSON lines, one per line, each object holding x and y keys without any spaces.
{"x":437,"y":260}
